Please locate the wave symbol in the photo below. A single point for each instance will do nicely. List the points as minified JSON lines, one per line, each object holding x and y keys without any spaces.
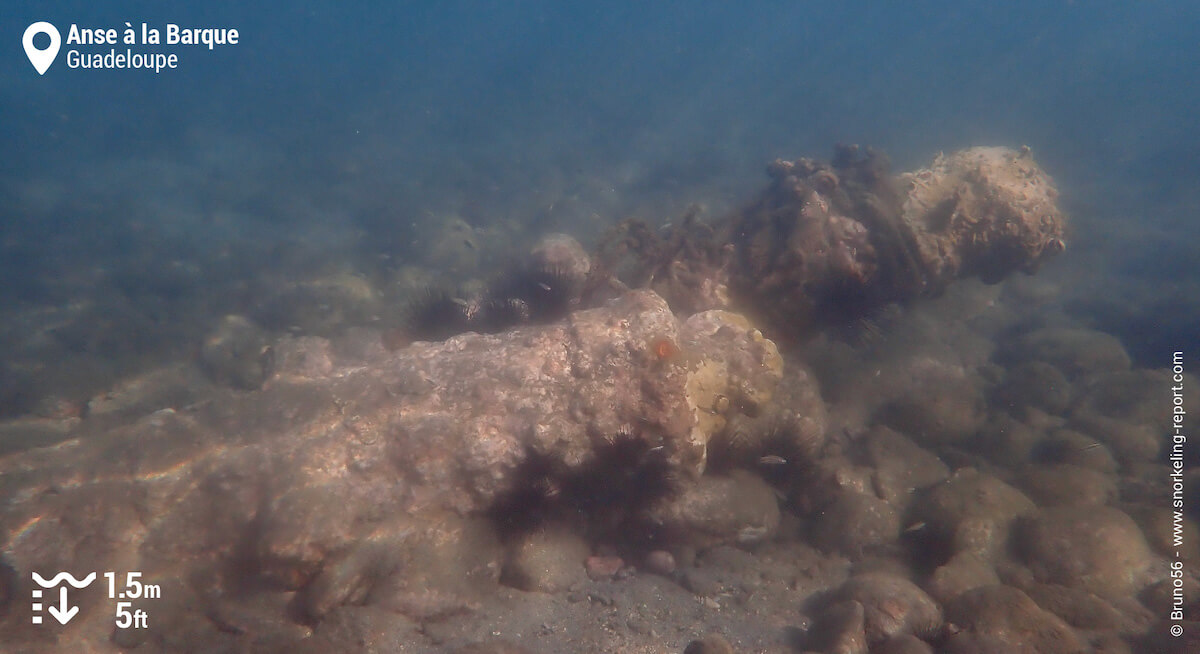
{"x":58,"y":579}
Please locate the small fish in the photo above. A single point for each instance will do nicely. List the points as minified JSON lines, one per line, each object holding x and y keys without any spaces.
{"x":772,"y":460}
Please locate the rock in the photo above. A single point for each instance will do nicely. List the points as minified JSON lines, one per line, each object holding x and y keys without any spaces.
{"x":57,"y":407}
{"x":660,"y":562}
{"x":321,"y":306}
{"x":548,"y":561}
{"x":562,"y":253}
{"x":903,"y":644}
{"x":1034,"y":383}
{"x":348,"y":576}
{"x":1158,"y":525}
{"x":1067,"y":485}
{"x":1130,"y":396}
{"x":901,"y":466}
{"x":945,"y":405}
{"x":785,"y":436}
{"x":1067,"y":446}
{"x":366,"y":630}
{"x":726,"y":383}
{"x":1007,"y":441}
{"x":892,"y":606}
{"x":1160,"y":596}
{"x":970,"y":511}
{"x":304,"y":357}
{"x":855,"y":524}
{"x":134,"y":397}
{"x":331,"y":485}
{"x":1128,"y":443}
{"x":963,"y":572}
{"x":1003,"y":619}
{"x":1109,"y":643}
{"x":260,"y":619}
{"x":1084,"y":610}
{"x":701,"y":582}
{"x":441,"y":569}
{"x":1075,"y":351}
{"x":983,"y":211}
{"x":840,"y":628}
{"x":809,"y":247}
{"x":1097,"y":549}
{"x":829,"y":477}
{"x":1160,"y":639}
{"x":357,"y":346}
{"x":738,"y":508}
{"x":29,"y":433}
{"x":602,"y":568}
{"x":710,"y":644}
{"x":237,"y":354}
{"x":299,"y":529}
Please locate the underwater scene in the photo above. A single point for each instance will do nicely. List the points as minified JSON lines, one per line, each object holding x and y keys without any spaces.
{"x":538,"y":327}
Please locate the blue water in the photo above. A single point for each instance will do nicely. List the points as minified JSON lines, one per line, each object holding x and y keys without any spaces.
{"x":342,"y":127}
{"x":1106,"y":79}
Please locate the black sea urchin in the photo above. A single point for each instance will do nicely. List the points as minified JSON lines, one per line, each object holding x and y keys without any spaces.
{"x":436,"y":315}
{"x":546,"y":292}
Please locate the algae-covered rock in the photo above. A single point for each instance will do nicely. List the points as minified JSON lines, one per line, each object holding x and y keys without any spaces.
{"x":964,"y":571}
{"x":1004,"y":619}
{"x":970,"y":511}
{"x":839,"y":628}
{"x":1067,"y":485}
{"x":892,"y":606}
{"x":546,"y":560}
{"x":784,"y":436}
{"x":562,"y":253}
{"x":1074,"y":351}
{"x":855,"y":524}
{"x":1097,"y":549}
{"x":901,"y":466}
{"x":984,"y":211}
{"x":738,"y":508}
{"x":1037,"y":384}
{"x":828,"y":242}
{"x":324,"y":481}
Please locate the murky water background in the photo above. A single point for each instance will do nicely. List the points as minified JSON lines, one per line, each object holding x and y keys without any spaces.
{"x":315,"y":178}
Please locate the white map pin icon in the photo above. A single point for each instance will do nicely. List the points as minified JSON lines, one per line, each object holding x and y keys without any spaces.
{"x":41,"y":59}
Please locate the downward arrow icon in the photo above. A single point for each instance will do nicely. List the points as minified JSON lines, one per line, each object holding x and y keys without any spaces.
{"x":63,"y":612}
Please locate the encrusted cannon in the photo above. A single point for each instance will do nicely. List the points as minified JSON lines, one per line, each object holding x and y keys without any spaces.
{"x":830,"y":242}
